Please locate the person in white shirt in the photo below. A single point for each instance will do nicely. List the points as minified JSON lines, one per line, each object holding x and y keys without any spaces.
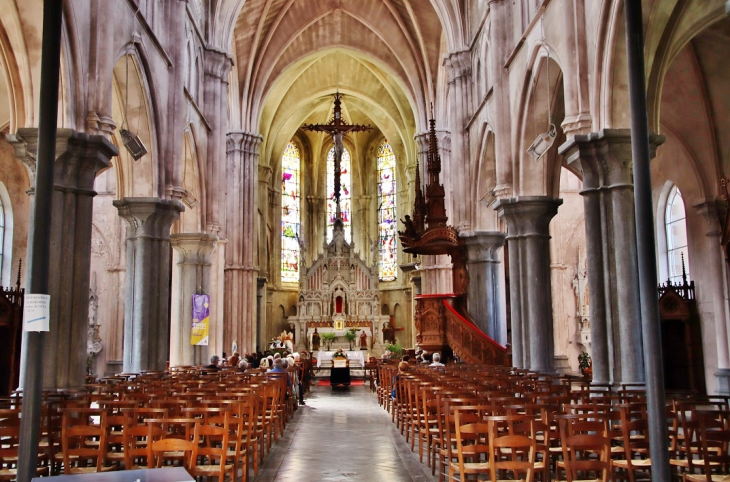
{"x":436,"y":360}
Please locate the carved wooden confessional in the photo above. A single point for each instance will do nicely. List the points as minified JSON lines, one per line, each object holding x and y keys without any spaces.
{"x":11,"y":321}
{"x":681,"y":336}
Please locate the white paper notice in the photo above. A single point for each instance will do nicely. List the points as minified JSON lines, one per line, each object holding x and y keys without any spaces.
{"x":36,"y":312}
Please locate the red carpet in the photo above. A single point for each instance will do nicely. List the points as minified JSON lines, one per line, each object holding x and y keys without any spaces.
{"x":325,"y":382}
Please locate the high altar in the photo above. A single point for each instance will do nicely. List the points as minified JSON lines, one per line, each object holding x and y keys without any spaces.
{"x":337,"y":293}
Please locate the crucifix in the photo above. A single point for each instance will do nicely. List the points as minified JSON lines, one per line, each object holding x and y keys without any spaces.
{"x":337,"y":127}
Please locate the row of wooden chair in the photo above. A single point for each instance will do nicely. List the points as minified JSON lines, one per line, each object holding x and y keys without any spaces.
{"x":426,"y":401}
{"x":228,"y":420}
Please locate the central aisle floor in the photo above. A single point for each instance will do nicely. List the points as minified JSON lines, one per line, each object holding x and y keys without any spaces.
{"x":343,"y":434}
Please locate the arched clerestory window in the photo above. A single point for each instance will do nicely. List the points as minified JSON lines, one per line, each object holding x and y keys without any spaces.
{"x":345,"y":195}
{"x":387,"y":217}
{"x":290,"y":213}
{"x":676,"y":229}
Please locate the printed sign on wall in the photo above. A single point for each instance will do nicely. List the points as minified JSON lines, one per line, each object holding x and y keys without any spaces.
{"x":36,"y":312}
{"x":201,"y":320}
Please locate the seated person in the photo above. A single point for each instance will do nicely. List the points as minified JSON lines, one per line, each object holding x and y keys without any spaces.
{"x":214,"y":361}
{"x":436,"y":360}
{"x":242,"y":366}
{"x":402,"y":368}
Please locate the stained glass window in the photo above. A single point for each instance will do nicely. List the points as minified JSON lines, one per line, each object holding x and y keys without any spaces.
{"x":345,"y":195}
{"x":290,"y":214}
{"x":387,"y":244}
{"x":676,"y":226}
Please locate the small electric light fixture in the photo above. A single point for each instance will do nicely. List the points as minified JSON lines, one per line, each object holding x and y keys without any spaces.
{"x":542,"y":143}
{"x":133,"y":144}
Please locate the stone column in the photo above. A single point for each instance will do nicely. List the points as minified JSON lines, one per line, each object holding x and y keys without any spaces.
{"x":500,"y":30}
{"x":79,"y":158}
{"x":240,"y":272}
{"x":613,"y":279}
{"x":716,"y":279}
{"x":193,"y":259}
{"x":528,"y":231}
{"x":217,"y":64}
{"x":147,"y":293}
{"x":484,"y":301}
{"x":458,"y":65}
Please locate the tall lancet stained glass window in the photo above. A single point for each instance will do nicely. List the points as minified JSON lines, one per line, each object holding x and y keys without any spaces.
{"x":290,"y":220}
{"x":345,"y":194}
{"x":676,"y":225}
{"x":387,"y":226}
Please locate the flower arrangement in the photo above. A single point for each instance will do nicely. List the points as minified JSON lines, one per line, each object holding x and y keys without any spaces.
{"x":339,"y":354}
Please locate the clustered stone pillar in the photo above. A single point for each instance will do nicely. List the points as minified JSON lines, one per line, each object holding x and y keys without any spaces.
{"x":147,"y":293}
{"x":484,"y":285}
{"x":80,"y":158}
{"x":240,"y":272}
{"x":714,"y":266}
{"x":613,"y":278}
{"x":217,"y":66}
{"x":528,"y":233}
{"x":458,"y":65}
{"x":193,"y":255}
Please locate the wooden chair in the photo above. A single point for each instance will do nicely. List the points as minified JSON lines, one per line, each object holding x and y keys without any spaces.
{"x":586,"y":451}
{"x":210,"y":452}
{"x":136,"y":436}
{"x":83,"y":442}
{"x":171,"y":450}
{"x":510,"y":453}
{"x":635,"y":444}
{"x":713,"y":439}
{"x":472,"y":443}
{"x":9,"y":445}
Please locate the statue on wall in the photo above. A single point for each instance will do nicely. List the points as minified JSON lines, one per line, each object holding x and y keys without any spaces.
{"x":388,"y":333}
{"x":315,"y":340}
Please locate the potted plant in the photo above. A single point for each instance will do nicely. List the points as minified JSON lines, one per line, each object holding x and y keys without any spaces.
{"x":351,"y":336}
{"x":585,"y":364}
{"x":328,"y":338}
{"x":395,"y":350}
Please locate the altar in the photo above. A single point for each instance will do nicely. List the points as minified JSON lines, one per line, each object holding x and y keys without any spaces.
{"x":352,"y":356}
{"x":337,"y":294}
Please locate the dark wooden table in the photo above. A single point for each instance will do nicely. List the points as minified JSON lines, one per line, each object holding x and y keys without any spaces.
{"x":340,"y":376}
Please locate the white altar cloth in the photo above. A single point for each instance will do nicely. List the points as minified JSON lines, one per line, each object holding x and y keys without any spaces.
{"x":353,"y":356}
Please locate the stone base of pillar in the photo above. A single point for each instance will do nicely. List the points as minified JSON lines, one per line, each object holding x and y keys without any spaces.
{"x":723,"y":381}
{"x":562,"y":365}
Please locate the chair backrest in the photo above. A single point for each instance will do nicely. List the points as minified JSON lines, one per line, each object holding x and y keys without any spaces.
{"x":83,"y":438}
{"x":472,"y":436}
{"x":713,"y":438}
{"x":166,"y":448}
{"x":511,"y":452}
{"x":586,"y":449}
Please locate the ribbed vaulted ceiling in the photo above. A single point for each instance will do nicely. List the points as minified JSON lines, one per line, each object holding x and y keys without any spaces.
{"x":292,"y":55}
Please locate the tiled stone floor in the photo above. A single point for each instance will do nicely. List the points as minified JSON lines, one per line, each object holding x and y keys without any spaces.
{"x":343,"y":434}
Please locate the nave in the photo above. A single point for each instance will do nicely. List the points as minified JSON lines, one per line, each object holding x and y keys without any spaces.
{"x":343,"y":434}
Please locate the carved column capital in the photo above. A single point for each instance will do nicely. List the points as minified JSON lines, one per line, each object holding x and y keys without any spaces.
{"x":605,"y":157}
{"x":194,"y":248}
{"x":243,"y":141}
{"x":483,"y":246}
{"x":217,"y":63}
{"x":149,"y":217}
{"x":25,"y":144}
{"x":529,"y":215}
